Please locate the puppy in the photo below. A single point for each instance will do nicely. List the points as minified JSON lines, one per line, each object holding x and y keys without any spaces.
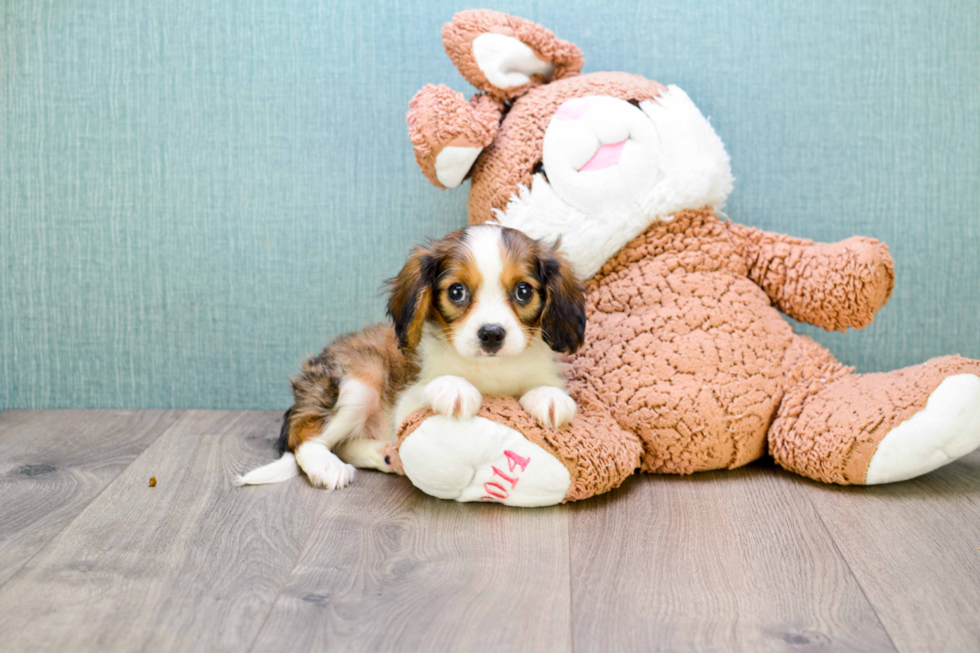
{"x":485,"y":310}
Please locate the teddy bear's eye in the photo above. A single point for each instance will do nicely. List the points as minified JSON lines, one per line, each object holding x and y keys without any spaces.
{"x":539,"y":168}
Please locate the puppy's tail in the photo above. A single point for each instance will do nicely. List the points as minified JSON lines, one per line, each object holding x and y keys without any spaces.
{"x":275,"y":472}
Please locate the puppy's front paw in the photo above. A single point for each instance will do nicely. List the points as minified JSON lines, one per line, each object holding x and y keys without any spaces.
{"x":552,"y":407}
{"x":452,"y":396}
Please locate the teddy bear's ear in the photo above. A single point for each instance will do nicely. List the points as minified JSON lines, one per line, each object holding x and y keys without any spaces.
{"x":448,"y":133}
{"x":504,"y":55}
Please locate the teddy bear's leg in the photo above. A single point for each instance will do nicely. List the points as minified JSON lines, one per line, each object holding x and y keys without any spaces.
{"x":839,"y":427}
{"x":503,"y":455}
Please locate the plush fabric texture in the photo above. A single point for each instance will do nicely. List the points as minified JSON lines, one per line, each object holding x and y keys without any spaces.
{"x":793,"y":271}
{"x":694,"y":359}
{"x":684,"y":349}
{"x":458,"y":35}
{"x":439,"y":117}
{"x":830,"y":420}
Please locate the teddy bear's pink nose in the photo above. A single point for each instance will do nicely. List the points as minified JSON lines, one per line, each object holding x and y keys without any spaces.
{"x":572,"y":109}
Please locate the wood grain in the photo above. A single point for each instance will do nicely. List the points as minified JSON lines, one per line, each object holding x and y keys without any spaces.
{"x":54,"y":463}
{"x":756,"y":559}
{"x":915,"y":549}
{"x":725,"y":561}
{"x":390,"y":569}
{"x":191,"y":564}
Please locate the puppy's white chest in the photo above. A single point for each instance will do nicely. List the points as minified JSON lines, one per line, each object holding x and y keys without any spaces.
{"x":512,"y":375}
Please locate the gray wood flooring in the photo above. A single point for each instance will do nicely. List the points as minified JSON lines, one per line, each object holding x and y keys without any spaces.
{"x":93,"y":559}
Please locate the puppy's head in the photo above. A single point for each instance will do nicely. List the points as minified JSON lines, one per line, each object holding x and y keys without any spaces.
{"x":489,"y":291}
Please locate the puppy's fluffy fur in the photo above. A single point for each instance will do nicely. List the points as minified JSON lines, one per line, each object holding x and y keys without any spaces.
{"x":484,"y":310}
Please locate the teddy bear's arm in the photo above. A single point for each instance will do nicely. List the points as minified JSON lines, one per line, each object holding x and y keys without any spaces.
{"x":830,"y":285}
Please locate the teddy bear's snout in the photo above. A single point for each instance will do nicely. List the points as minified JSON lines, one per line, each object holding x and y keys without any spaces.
{"x":600,"y":152}
{"x":588,"y":133}
{"x":606,"y":154}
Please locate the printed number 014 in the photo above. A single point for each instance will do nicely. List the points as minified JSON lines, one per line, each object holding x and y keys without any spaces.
{"x":498,"y":490}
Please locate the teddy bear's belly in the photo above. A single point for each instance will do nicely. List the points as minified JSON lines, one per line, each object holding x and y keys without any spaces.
{"x":692,"y":365}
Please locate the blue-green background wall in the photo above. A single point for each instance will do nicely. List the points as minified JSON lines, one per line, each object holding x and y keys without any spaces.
{"x":196,"y":194}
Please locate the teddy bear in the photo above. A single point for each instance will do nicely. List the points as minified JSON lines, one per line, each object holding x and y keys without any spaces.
{"x":689,"y":364}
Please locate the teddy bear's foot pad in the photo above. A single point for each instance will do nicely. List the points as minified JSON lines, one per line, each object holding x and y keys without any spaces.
{"x":481,"y":460}
{"x":946,"y":429}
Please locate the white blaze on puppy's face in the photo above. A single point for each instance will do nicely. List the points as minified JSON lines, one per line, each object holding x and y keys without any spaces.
{"x":490,"y":327}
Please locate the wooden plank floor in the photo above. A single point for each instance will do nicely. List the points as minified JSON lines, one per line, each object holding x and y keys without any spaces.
{"x":93,"y":559}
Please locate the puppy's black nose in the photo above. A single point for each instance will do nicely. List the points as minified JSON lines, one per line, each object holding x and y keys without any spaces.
{"x":491,"y":337}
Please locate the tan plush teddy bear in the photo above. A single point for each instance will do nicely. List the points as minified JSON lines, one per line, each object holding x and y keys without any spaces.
{"x":688,"y":363}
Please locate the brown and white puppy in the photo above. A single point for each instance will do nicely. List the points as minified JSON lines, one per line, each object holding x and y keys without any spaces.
{"x":484,"y":310}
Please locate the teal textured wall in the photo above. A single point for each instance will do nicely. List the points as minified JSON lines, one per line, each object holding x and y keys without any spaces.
{"x":196,"y":194}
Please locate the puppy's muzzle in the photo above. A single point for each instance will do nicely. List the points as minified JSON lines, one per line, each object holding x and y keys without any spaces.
{"x":491,"y":337}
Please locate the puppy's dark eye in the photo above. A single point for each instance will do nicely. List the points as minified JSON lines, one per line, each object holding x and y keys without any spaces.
{"x":457,"y":293}
{"x":523,"y":293}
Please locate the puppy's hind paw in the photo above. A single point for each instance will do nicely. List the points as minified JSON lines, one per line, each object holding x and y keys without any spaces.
{"x":333,"y":476}
{"x":323,"y":468}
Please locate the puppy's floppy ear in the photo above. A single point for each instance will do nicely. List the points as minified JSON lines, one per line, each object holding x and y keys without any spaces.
{"x":563,"y":319}
{"x":410,"y":296}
